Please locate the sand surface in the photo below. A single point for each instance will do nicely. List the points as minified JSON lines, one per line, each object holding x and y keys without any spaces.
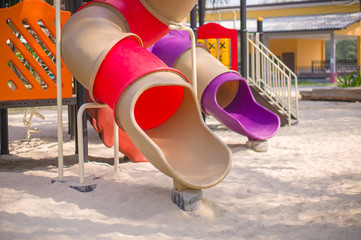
{"x":307,"y":186}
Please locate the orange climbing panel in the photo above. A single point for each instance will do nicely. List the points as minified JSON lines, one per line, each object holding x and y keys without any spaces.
{"x":28,"y":52}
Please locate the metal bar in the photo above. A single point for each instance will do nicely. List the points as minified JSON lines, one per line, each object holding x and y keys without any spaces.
{"x":247,"y":72}
{"x":193,"y":18}
{"x":333,"y":73}
{"x":234,"y":19}
{"x":257,"y":61}
{"x":116,"y":146}
{"x":59,"y":94}
{"x":81,"y":99}
{"x":35,"y":103}
{"x":201,"y":12}
{"x":80,"y":136}
{"x":193,"y":52}
{"x":260,"y":28}
{"x":289,"y":102}
{"x":296,"y":96}
{"x":243,"y":39}
{"x":252,"y":65}
{"x":278,"y":76}
{"x":279,"y":62}
{"x":4,"y":131}
{"x":267,"y":57}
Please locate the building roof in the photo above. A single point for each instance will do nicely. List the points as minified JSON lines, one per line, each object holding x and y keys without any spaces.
{"x":300,"y":23}
{"x":232,"y":4}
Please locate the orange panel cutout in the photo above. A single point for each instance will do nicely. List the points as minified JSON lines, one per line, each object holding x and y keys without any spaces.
{"x":28,"y":52}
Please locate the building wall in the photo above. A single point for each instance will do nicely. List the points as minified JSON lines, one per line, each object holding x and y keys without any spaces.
{"x":309,"y":50}
{"x":296,"y":11}
{"x":305,"y":50}
{"x":290,"y":10}
{"x":279,"y":46}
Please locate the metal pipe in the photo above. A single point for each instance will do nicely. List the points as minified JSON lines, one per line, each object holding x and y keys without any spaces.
{"x":193,"y":52}
{"x":59,"y":102}
{"x":201,"y":12}
{"x":260,"y":28}
{"x":243,"y":44}
{"x":248,"y":63}
{"x":234,"y":19}
{"x":333,"y":73}
{"x":193,"y":18}
{"x":4,"y":131}
{"x":80,"y":136}
{"x":73,"y":6}
{"x":116,"y":146}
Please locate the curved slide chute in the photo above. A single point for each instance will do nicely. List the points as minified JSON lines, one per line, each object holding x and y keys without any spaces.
{"x":222,"y":93}
{"x":153,"y":103}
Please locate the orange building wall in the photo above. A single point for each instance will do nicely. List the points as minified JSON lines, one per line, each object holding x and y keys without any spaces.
{"x":305,"y":50}
{"x":279,"y":46}
{"x":309,"y":50}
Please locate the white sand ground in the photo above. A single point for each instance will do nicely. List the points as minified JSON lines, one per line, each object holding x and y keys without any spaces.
{"x":307,"y":186}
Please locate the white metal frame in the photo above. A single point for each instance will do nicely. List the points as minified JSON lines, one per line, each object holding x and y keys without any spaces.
{"x":59,"y":93}
{"x":271,"y":77}
{"x":193,"y":52}
{"x":81,"y":143}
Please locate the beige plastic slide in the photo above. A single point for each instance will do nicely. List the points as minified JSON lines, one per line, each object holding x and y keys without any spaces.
{"x":206,"y":74}
{"x":181,"y":147}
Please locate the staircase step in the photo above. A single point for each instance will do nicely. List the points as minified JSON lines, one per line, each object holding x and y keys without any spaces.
{"x":262,"y":99}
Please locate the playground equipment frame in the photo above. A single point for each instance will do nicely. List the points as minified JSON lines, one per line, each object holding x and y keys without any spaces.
{"x":81,"y":143}
{"x":115,"y":126}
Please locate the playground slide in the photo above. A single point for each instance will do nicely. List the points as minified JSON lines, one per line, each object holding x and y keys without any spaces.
{"x":153,"y":103}
{"x":222,"y":93}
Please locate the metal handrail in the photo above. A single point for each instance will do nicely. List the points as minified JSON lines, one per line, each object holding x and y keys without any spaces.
{"x":271,"y":77}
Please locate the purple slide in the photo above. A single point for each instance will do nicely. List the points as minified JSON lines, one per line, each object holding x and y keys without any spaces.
{"x":242,"y":114}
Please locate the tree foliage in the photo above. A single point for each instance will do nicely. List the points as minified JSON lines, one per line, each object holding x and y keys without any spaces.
{"x":345,"y":49}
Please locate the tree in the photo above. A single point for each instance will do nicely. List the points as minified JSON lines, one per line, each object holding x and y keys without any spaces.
{"x":345,"y":49}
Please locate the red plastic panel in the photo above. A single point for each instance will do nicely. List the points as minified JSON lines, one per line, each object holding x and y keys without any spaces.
{"x":125,"y":63}
{"x":214,"y":30}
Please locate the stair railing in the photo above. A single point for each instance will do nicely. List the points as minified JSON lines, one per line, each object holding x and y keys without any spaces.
{"x":272,"y":77}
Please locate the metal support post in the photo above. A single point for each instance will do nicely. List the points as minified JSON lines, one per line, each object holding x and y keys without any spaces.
{"x":4,"y":131}
{"x":59,"y":90}
{"x":260,"y":28}
{"x":193,"y":52}
{"x":201,"y":12}
{"x":333,"y":72}
{"x":243,"y":44}
{"x":193,"y":20}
